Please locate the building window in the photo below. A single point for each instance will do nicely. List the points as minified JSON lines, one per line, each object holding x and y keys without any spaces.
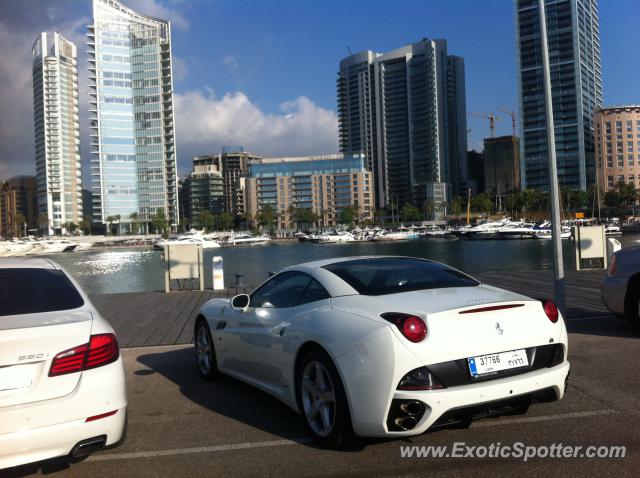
{"x":610,"y":181}
{"x":620,"y":161}
{"x":609,"y":161}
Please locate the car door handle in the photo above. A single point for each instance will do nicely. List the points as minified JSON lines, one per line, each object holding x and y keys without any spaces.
{"x":279,"y":329}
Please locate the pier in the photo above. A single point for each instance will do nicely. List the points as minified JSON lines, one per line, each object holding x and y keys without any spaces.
{"x":143,"y":319}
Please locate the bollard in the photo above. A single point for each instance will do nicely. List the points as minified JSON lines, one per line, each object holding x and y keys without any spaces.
{"x":218,"y":273}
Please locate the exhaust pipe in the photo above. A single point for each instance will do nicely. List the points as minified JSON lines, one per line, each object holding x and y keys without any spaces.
{"x":411,"y":408}
{"x":406,"y":423}
{"x":86,"y":447}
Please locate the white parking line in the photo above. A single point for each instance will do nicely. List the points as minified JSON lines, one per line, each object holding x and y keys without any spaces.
{"x":300,"y":441}
{"x":543,"y":418}
{"x":200,"y":449}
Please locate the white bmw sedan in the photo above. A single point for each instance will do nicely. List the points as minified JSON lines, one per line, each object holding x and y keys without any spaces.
{"x":62,"y":384}
{"x":386,"y":346}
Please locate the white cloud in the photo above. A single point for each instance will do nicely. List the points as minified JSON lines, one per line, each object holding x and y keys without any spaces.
{"x":205,"y":123}
{"x":230,"y":62}
{"x":158,"y":9}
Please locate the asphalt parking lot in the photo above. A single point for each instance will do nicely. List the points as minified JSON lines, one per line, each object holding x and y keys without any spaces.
{"x":180,"y":425}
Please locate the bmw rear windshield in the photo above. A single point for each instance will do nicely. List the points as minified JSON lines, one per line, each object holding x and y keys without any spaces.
{"x":32,"y":291}
{"x":393,"y":275}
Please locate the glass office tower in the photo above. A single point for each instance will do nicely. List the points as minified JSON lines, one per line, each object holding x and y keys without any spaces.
{"x":57,"y":131}
{"x":131,"y":113}
{"x":576,"y":84}
{"x":405,"y":109}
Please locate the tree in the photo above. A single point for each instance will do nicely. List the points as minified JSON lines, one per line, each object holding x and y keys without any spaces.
{"x":531,"y":199}
{"x":429,"y":209}
{"x":456,"y":206}
{"x":225,"y":221}
{"x":305,"y":216}
{"x":135,"y":224}
{"x":159,"y":221}
{"x":205,"y":219}
{"x":349,"y":215}
{"x":410,"y":213}
{"x":380,"y":215}
{"x":267,"y":217}
{"x":70,"y":227}
{"x":513,"y":202}
{"x":628,"y":193}
{"x":117,"y":219}
{"x":85,"y":224}
{"x":482,"y":203}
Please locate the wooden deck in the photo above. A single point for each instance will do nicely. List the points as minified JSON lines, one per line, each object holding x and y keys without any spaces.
{"x":155,"y":318}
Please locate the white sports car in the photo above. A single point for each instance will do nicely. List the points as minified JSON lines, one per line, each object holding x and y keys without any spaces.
{"x":386,"y":346}
{"x":62,"y":383}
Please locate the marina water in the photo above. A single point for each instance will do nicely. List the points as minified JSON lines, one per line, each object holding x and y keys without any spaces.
{"x":104,"y":271}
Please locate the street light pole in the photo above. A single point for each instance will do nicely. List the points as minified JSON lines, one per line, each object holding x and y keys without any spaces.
{"x":558,"y":266}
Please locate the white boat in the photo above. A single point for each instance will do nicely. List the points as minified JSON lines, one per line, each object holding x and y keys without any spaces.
{"x":487,"y":230}
{"x":396,"y":236}
{"x":333,"y":237}
{"x":243,"y":239}
{"x":204,"y":241}
{"x":516,"y":230}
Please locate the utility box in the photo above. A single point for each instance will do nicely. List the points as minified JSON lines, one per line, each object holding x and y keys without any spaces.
{"x":591,"y":247}
{"x":184,"y":267}
{"x":218,"y":273}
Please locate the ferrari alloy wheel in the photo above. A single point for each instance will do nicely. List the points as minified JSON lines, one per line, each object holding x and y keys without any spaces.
{"x":205,"y":355}
{"x":318,"y":398}
{"x":322,"y":401}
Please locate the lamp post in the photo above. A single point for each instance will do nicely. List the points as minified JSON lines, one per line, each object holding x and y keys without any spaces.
{"x":558,"y":266}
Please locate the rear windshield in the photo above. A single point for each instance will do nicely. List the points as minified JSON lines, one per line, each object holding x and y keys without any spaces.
{"x":392,"y":275}
{"x":29,"y":291}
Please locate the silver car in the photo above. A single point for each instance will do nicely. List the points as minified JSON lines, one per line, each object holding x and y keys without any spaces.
{"x":621,"y":288}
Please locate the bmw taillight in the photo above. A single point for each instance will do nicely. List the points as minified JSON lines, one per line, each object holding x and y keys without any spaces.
{"x":551,"y":310}
{"x":102,"y":349}
{"x":412,"y":327}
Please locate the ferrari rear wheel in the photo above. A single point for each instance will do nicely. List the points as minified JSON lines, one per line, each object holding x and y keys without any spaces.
{"x":323,"y":402}
{"x":205,"y":354}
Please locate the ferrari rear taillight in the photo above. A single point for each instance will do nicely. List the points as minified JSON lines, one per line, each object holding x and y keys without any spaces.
{"x":420,"y":379}
{"x":551,"y":310}
{"x":412,"y":327}
{"x":102,"y":349}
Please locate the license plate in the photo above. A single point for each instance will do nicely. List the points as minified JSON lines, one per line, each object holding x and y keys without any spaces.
{"x":14,"y":378}
{"x":492,"y":363}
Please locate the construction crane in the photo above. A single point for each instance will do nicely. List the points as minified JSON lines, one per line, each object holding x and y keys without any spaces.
{"x":492,"y":120}
{"x":513,"y":119}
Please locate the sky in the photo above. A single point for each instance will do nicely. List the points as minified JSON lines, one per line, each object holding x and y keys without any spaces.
{"x":262,"y":73}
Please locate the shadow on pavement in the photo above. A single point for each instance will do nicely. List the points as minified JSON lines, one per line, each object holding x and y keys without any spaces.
{"x":45,"y":467}
{"x":609,"y":326}
{"x":226,"y":396}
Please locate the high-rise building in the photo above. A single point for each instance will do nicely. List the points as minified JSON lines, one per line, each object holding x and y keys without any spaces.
{"x":617,"y":133}
{"x":203,"y":188}
{"x":501,"y":165}
{"x":57,"y":130}
{"x":325,"y":185}
{"x":475,"y":161}
{"x":18,"y":206}
{"x":235,"y":164}
{"x":131,"y":114}
{"x":405,"y":110}
{"x":576,"y":84}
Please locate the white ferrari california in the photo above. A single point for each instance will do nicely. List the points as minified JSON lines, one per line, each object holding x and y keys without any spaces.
{"x":386,"y":346}
{"x":62,"y":383}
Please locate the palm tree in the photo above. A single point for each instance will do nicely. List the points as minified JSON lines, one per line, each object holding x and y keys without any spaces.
{"x":134,"y":222}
